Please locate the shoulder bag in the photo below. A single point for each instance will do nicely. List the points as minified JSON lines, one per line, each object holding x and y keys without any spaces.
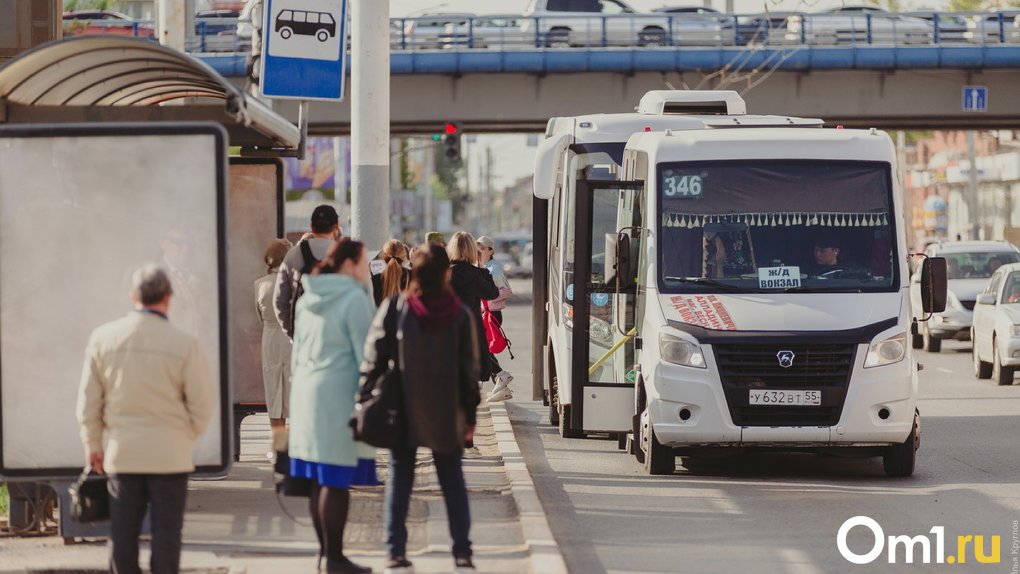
{"x":379,"y":418}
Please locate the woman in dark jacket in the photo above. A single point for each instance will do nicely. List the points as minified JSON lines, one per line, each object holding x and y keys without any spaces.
{"x":438,"y":361}
{"x":472,"y":284}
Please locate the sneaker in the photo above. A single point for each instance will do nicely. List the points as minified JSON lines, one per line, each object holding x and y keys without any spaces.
{"x":463,"y":565}
{"x":399,"y":565}
{"x":501,"y":395}
{"x":501,"y":380}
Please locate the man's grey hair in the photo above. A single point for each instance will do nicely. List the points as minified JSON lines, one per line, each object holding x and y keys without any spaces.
{"x":150,"y":284}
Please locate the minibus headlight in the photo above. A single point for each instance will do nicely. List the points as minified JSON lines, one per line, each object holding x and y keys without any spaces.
{"x":887,"y":351}
{"x":677,"y":351}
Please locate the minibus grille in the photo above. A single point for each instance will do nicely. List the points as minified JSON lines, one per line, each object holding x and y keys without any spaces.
{"x":823,"y":367}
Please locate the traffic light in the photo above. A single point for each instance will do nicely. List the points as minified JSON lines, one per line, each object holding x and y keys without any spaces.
{"x":451,"y":140}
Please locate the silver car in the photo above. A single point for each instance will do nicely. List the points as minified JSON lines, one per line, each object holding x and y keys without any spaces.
{"x":858,"y":25}
{"x":996,"y":329}
{"x":993,"y":28}
{"x":496,"y":32}
{"x":970,"y":264}
{"x":564,"y":23}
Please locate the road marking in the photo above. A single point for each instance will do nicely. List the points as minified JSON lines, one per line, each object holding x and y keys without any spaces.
{"x":943,"y":370}
{"x":798,"y":562}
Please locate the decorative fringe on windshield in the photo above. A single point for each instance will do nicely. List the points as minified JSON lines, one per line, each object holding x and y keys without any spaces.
{"x":785,"y":219}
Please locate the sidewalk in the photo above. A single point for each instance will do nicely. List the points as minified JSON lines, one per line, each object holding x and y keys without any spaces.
{"x":237,"y":525}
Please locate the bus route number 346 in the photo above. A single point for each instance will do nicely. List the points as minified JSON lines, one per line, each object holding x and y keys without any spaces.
{"x":682,"y":186}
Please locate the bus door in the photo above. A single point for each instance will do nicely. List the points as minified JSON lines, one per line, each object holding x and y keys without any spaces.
{"x":602,"y":383}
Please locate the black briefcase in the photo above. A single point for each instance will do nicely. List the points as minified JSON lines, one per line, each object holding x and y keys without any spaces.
{"x":90,"y":498}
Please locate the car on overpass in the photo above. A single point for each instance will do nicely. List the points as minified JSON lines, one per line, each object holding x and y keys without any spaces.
{"x":993,"y":27}
{"x":951,"y":27}
{"x":498,"y":31}
{"x":996,"y":328}
{"x":565,"y":23}
{"x":424,"y":32}
{"x":867,"y":24}
{"x":970,"y":264}
{"x":104,"y":23}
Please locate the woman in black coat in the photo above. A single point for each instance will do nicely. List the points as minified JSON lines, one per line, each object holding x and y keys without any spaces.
{"x":472,"y":284}
{"x":438,"y":364}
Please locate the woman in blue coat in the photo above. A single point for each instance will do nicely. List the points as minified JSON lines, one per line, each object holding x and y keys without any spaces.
{"x":332,"y":318}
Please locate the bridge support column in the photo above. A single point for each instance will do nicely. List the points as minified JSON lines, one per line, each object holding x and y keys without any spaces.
{"x":370,"y":122}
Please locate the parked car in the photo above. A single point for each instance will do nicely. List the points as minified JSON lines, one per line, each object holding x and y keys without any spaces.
{"x":510,"y":267}
{"x":951,"y":27}
{"x":104,"y":22}
{"x":859,"y":25}
{"x":252,"y":11}
{"x":562,"y":23}
{"x":757,"y":28}
{"x":996,"y":328}
{"x":424,"y":32}
{"x":970,"y":264}
{"x":993,"y":28}
{"x":496,"y":31}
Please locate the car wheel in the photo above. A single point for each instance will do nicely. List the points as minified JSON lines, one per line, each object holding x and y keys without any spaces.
{"x":658,"y":459}
{"x":558,"y":38}
{"x":652,"y":37}
{"x":899,"y":460}
{"x":322,"y":35}
{"x":982,"y":369}
{"x":285,"y":33}
{"x":554,"y":403}
{"x":565,"y":430}
{"x":931,"y":344}
{"x":1001,"y":374}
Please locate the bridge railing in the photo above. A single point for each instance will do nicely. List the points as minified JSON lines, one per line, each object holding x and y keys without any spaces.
{"x":513,"y":32}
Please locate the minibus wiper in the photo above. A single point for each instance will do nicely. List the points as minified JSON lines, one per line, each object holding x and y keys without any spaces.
{"x":709,"y":282}
{"x":806,"y":289}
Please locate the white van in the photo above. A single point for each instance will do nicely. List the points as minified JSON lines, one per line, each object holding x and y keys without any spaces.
{"x":727,"y":284}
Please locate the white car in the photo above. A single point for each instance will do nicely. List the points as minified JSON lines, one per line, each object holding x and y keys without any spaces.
{"x":996,"y":329}
{"x":424,"y":32}
{"x":993,"y":28}
{"x":563,"y":23}
{"x":497,"y":32}
{"x":858,"y":25}
{"x":970,"y":264}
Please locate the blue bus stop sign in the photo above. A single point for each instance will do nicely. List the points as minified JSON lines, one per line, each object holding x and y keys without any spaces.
{"x":304,"y":49}
{"x":975,"y":98}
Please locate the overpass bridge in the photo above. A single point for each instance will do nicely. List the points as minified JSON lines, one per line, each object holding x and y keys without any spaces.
{"x":857,"y":69}
{"x":890,"y":87}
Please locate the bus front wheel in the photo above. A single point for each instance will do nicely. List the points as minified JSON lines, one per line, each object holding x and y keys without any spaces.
{"x":286,"y":33}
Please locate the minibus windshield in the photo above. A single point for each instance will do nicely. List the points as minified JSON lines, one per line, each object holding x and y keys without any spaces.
{"x":776,"y":226}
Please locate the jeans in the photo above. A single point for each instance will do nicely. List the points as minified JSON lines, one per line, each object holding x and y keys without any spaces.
{"x":130,"y":496}
{"x":398,"y":499}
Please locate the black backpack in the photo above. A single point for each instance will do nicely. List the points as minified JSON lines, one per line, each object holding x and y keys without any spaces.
{"x":299,"y":289}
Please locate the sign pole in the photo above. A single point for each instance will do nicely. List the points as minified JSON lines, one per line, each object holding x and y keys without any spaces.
{"x":370,"y":122}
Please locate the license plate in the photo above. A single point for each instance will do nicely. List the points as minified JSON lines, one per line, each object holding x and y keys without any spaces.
{"x":788,"y":398}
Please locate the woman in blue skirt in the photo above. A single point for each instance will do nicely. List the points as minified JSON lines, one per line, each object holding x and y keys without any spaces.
{"x":332,"y":318}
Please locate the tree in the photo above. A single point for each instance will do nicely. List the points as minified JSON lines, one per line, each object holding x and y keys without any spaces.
{"x":966,"y":5}
{"x":447,"y":184}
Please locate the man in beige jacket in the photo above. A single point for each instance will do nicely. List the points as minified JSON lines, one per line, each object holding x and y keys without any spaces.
{"x":146,"y":395}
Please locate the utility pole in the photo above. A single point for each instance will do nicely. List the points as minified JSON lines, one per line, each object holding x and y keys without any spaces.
{"x":972,"y":191}
{"x":370,"y":122}
{"x":428,"y":169}
{"x":172,"y":16}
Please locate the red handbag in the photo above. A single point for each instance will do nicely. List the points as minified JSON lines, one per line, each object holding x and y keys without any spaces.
{"x":494,"y":332}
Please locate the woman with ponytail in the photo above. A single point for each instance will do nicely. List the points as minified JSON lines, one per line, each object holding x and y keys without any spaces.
{"x":395,"y":277}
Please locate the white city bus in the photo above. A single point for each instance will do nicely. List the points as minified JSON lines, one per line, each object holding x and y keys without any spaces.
{"x":726,"y":333}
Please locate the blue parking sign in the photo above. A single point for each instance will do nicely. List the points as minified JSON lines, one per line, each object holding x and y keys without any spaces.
{"x":304,"y":49}
{"x":975,"y":98}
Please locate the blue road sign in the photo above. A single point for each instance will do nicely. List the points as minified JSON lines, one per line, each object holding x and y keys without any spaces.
{"x":975,"y":99}
{"x":304,"y":53}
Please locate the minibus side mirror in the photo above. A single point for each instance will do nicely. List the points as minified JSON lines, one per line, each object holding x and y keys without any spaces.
{"x":617,"y":261}
{"x":934,"y":284}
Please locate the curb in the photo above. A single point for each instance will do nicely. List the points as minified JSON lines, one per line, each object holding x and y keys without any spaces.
{"x":543,"y":551}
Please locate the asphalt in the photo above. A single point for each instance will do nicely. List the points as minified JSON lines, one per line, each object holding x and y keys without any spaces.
{"x":239,"y":525}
